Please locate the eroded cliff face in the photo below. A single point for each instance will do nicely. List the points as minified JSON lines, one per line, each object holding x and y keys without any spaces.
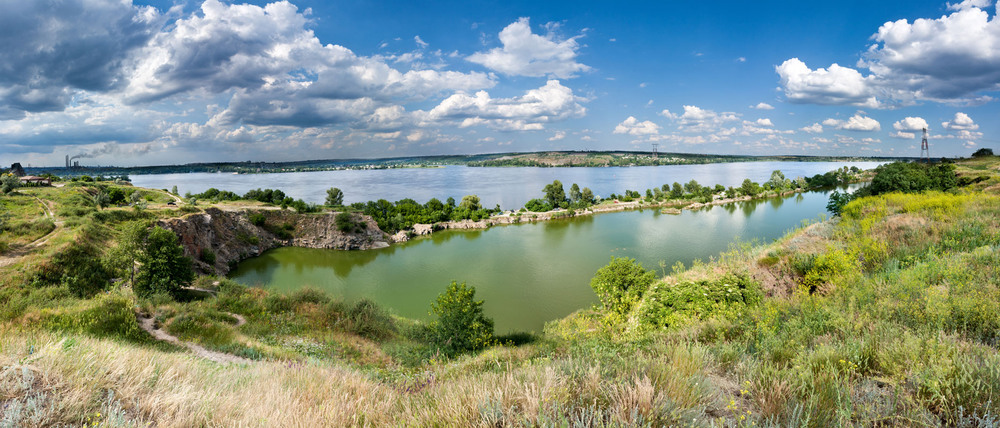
{"x":231,"y":235}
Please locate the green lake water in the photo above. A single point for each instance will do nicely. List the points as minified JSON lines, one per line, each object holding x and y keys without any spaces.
{"x":530,"y":273}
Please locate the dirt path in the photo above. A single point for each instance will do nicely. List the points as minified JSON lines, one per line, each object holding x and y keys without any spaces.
{"x":15,"y":255}
{"x":149,"y":325}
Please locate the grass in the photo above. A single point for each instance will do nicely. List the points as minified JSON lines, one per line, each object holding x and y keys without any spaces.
{"x":887,"y":315}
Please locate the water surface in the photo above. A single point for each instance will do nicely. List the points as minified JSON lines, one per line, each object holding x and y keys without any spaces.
{"x":508,"y":187}
{"x":531,"y":273}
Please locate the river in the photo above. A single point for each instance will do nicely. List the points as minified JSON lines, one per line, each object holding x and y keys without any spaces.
{"x":527,"y":274}
{"x":508,"y":187}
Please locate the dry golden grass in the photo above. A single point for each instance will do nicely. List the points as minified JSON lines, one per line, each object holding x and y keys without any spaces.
{"x":71,"y":379}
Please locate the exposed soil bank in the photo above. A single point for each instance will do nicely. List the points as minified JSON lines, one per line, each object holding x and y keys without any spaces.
{"x":231,"y":236}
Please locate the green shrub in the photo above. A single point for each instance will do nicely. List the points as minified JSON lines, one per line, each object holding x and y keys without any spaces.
{"x":347,"y":224}
{"x":621,"y":284}
{"x":667,"y":305}
{"x":257,"y":219}
{"x":461,"y":325}
{"x":77,"y":267}
{"x":208,"y":256}
{"x":367,"y":319}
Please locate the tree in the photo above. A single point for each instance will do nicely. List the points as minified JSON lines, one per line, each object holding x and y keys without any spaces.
{"x":122,"y":258}
{"x":983,"y":152}
{"x":471,"y":203}
{"x":554,"y":193}
{"x":778,"y":180}
{"x":837,"y":202}
{"x":461,"y":325}
{"x":174,"y":190}
{"x":9,"y":183}
{"x":693,"y":187}
{"x":574,"y":193}
{"x":749,"y":188}
{"x":621,"y":284}
{"x":334,"y":197}
{"x":587,"y":196}
{"x":164,"y":266}
{"x":677,"y":191}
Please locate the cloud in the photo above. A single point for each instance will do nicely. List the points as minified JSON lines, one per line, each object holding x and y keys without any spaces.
{"x":910,"y":124}
{"x":763,"y":106}
{"x":267,"y":51}
{"x":903,"y":135}
{"x":420,"y":42}
{"x":51,"y":49}
{"x":559,"y":135}
{"x":858,"y":122}
{"x":549,"y":103}
{"x":634,"y":127}
{"x":812,"y":129}
{"x":527,"y":54}
{"x":949,"y":59}
{"x":697,"y":119}
{"x":961,"y":122}
{"x":764,"y":122}
{"x":966,"y":4}
{"x":834,"y":86}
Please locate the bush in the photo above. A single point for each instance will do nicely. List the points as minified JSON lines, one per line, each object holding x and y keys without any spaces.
{"x":257,"y":219}
{"x":669,"y":305}
{"x":78,"y":267}
{"x":621,"y":284}
{"x":347,"y":224}
{"x":366,"y":319}
{"x":983,"y":152}
{"x":461,"y":325}
{"x":110,"y":315}
{"x":208,"y":256}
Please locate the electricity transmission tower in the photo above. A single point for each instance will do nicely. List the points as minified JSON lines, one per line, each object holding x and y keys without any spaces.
{"x":925,"y":153}
{"x":654,"y":150}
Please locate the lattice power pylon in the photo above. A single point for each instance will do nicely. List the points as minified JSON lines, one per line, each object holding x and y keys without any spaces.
{"x":654,"y":151}
{"x":925,"y":153}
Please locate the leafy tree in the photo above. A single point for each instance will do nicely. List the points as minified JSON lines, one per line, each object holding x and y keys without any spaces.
{"x":983,"y":152}
{"x":470,"y":202}
{"x":450,"y":201}
{"x":749,"y":188}
{"x":537,"y":205}
{"x":121,"y":259}
{"x":554,"y":193}
{"x":837,"y":202}
{"x":9,"y":183}
{"x":910,"y":177}
{"x":621,"y":284}
{"x":116,"y":196}
{"x":574,"y":193}
{"x":677,"y":190}
{"x":174,"y":190}
{"x":461,"y":325}
{"x":587,"y":196}
{"x":164,"y":266}
{"x":778,"y":180}
{"x":693,"y":187}
{"x":334,"y":197}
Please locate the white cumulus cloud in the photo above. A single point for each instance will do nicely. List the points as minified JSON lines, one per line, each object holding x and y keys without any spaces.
{"x":527,"y":54}
{"x":815,"y":128}
{"x":858,"y":122}
{"x":549,"y":103}
{"x":634,"y":127}
{"x":835,"y":86}
{"x":961,"y":122}
{"x":910,"y":124}
{"x":763,"y":106}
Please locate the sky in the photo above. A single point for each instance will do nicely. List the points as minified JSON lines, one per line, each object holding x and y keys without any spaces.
{"x":133,"y":82}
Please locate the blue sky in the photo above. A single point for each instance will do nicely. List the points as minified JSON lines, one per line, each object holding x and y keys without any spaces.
{"x":165,"y":82}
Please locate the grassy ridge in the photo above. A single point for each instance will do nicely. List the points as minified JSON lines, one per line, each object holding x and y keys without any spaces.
{"x":889,"y":315}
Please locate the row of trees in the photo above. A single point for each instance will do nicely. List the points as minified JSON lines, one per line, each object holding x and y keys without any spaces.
{"x":267,"y":196}
{"x":403,"y":214}
{"x":555,"y":197}
{"x":906,"y":177}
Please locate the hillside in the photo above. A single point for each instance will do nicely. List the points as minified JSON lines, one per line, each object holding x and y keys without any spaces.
{"x":886,"y":315}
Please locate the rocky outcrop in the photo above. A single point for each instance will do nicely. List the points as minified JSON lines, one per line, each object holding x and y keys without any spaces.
{"x":231,"y":236}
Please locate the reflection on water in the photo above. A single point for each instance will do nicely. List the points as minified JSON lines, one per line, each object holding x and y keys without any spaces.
{"x":529,"y":273}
